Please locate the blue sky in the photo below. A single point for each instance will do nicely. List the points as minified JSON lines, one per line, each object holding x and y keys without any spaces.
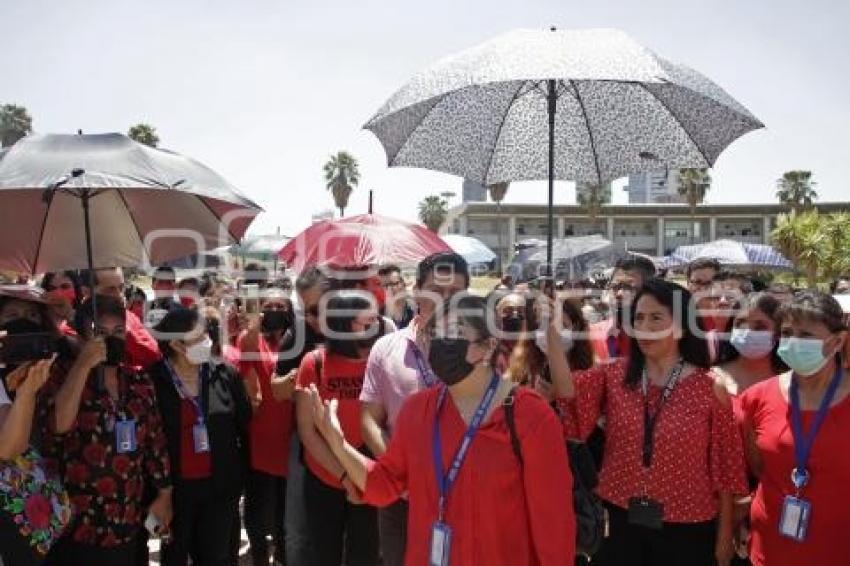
{"x":264,"y":91}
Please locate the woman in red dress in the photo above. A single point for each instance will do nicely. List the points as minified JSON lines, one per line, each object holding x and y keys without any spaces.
{"x":497,"y":510}
{"x":673,"y":457}
{"x":813,"y":334}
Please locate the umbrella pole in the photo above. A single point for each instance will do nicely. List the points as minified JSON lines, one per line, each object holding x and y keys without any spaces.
{"x":84,"y":198}
{"x":552,"y":103}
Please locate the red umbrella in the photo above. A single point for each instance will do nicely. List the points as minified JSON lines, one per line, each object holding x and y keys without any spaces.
{"x":368,"y":239}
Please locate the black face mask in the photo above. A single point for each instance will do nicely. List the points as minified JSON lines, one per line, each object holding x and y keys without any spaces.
{"x":447,"y":357}
{"x":114,"y":351}
{"x":21,"y":326}
{"x":512,"y":323}
{"x":274,"y":320}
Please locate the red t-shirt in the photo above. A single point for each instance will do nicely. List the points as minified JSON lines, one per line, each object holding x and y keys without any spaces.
{"x":271,"y":423}
{"x":140,"y":349}
{"x":341,"y":379}
{"x":767,"y":412}
{"x":500,"y":512}
{"x":698,"y":447}
{"x":193,"y":466}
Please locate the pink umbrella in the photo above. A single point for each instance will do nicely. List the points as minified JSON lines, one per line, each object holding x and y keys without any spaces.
{"x":368,"y":239}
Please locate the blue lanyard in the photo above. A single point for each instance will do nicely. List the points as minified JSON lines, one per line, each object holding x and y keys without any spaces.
{"x":803,"y":444}
{"x":446,"y":481}
{"x":197,"y":402}
{"x":425,"y":371}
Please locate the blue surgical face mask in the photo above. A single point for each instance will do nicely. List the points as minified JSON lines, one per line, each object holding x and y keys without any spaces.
{"x":752,"y":344}
{"x":803,"y":355}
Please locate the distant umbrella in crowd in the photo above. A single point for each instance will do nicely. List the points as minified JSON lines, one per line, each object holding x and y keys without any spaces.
{"x":472,"y":249}
{"x":368,"y":239}
{"x":573,"y":258}
{"x":730,"y":253}
{"x":76,"y":201}
{"x":587,"y":106}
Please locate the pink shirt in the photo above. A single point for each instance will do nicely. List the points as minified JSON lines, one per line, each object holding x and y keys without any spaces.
{"x":393,"y":372}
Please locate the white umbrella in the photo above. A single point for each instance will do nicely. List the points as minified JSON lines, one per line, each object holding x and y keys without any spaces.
{"x":472,"y":249}
{"x":588,"y":106}
{"x":75,"y":201}
{"x":730,"y":253}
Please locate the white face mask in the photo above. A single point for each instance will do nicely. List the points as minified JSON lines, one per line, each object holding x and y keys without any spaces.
{"x":201,"y":352}
{"x":566,"y":339}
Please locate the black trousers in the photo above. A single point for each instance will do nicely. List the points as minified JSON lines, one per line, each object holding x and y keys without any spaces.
{"x":202,"y":525}
{"x":677,"y":544}
{"x":70,"y":553}
{"x":265,"y":506}
{"x":392,"y":527}
{"x":340,"y":532}
{"x":15,"y":549}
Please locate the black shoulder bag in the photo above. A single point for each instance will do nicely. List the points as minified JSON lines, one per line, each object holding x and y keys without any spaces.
{"x":591,"y":516}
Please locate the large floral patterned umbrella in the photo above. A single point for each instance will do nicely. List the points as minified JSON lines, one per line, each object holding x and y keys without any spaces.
{"x":588,"y":106}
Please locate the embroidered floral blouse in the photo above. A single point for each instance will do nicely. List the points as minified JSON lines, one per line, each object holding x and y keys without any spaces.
{"x":105,"y":486}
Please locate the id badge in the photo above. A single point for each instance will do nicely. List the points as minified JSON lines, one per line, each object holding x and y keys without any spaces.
{"x":125,"y":436}
{"x":201,"y":438}
{"x":646,"y":512}
{"x":796,"y":514}
{"x":441,"y":542}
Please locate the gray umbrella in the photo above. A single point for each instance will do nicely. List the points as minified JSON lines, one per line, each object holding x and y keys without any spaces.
{"x":73,"y":201}
{"x":588,"y":106}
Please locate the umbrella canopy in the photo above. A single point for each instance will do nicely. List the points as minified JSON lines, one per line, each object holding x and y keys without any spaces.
{"x":262,"y":245}
{"x":138,"y":202}
{"x":364,"y":240}
{"x":472,"y":249}
{"x":730,"y":253}
{"x":587,"y":105}
{"x":574,"y":258}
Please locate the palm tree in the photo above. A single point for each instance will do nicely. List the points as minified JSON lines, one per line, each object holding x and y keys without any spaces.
{"x":693,"y":185}
{"x":15,"y":123}
{"x":144,"y":133}
{"x":497,"y":195}
{"x":795,"y":189}
{"x":802,"y":240}
{"x":592,"y":196}
{"x":433,"y":211}
{"x":341,"y":172}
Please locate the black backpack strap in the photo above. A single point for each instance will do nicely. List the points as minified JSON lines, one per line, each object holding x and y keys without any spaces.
{"x":510,"y":419}
{"x":318,"y":360}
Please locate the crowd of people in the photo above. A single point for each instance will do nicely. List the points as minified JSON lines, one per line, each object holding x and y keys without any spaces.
{"x":349,"y":418}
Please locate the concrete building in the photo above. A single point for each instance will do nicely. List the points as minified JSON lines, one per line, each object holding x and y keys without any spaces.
{"x":653,"y":229}
{"x":654,"y":187}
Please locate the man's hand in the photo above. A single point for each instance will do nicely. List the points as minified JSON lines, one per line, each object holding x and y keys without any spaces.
{"x":283,"y":386}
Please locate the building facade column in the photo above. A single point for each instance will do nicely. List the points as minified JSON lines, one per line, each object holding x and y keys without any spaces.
{"x":712,"y":228}
{"x":511,"y":238}
{"x":610,"y":228}
{"x":765,"y":229}
{"x":659,"y":237}
{"x":464,"y":223}
{"x":560,"y":227}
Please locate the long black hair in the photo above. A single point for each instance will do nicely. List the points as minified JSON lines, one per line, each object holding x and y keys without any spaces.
{"x":679,"y":302}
